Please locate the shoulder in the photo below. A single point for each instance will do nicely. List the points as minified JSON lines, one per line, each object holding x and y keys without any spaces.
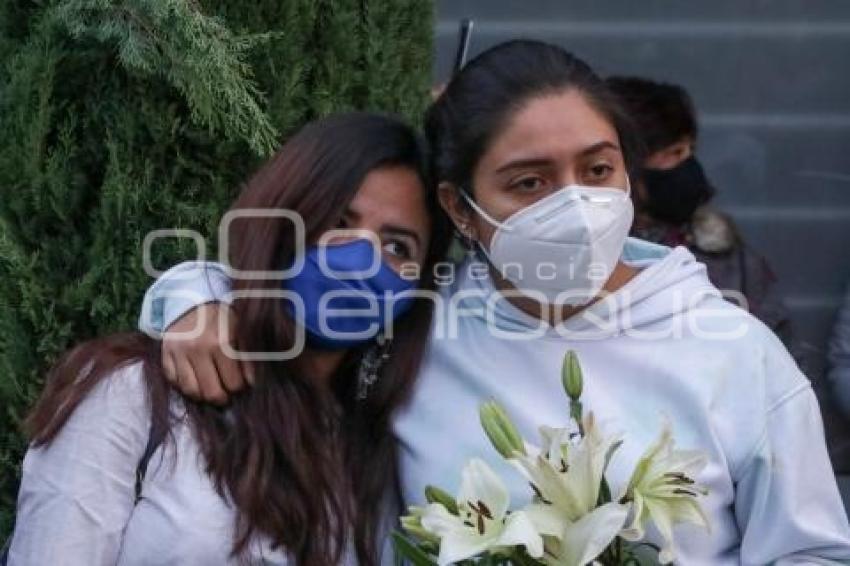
{"x":764,"y":373}
{"x":118,"y":404}
{"x":125,"y":386}
{"x":77,"y":491}
{"x":782,"y":377}
{"x":746,"y":375}
{"x":98,"y":445}
{"x":755,"y":367}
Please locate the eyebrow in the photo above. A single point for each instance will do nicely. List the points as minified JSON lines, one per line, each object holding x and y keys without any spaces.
{"x":524,"y":163}
{"x":543,"y":161}
{"x":597,"y":147}
{"x":392,"y":229}
{"x":401,"y":231}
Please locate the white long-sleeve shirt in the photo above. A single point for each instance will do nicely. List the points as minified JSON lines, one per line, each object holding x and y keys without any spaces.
{"x":666,"y":344}
{"x":76,"y":503}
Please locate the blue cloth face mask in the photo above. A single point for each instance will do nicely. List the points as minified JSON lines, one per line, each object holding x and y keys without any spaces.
{"x":356,"y":308}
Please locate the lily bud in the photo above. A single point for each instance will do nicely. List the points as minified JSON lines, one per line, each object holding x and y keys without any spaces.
{"x":571,"y":376}
{"x":434,"y":494}
{"x":412,"y":525}
{"x":501,"y":431}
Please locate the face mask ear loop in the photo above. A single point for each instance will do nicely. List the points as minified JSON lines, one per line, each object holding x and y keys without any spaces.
{"x":486,"y":217}
{"x":490,"y":220}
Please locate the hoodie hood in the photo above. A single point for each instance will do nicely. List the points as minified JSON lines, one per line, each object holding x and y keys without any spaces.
{"x":669,"y":283}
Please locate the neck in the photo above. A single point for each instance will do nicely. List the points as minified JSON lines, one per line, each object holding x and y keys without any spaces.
{"x":621,"y":275}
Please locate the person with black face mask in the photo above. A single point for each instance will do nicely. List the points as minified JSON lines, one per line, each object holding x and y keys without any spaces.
{"x":673,"y":196}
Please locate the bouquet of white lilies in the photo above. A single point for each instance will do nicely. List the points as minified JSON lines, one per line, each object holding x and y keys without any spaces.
{"x":573,"y":519}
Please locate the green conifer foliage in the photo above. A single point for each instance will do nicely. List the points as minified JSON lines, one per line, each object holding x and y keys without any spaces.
{"x":120,"y":117}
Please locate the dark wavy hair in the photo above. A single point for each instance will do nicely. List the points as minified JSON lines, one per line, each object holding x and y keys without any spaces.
{"x":480,"y":100}
{"x":663,"y":112}
{"x":275,"y":452}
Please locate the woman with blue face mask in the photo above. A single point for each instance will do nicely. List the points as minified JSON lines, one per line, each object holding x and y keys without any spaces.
{"x":297,"y":468}
{"x":532,"y":157}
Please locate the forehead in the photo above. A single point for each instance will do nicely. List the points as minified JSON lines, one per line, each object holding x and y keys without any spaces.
{"x":554,"y":126}
{"x":394,"y":195}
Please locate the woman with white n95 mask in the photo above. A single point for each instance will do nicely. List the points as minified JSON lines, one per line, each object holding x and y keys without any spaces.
{"x":531,"y":155}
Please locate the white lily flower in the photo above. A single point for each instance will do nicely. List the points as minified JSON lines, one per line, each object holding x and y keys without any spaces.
{"x":483,"y":522}
{"x":577,"y":543}
{"x":663,"y":490}
{"x":568,"y":475}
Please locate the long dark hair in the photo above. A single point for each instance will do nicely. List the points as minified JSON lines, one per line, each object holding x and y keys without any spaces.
{"x":275,"y":453}
{"x":479,"y":101}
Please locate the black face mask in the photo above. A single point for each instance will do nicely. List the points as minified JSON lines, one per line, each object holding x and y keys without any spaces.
{"x":674,"y":194}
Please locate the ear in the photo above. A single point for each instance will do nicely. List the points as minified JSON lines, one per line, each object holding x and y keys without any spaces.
{"x":457,"y":209}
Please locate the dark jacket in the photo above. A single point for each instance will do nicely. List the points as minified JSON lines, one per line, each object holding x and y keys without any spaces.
{"x":839,"y":358}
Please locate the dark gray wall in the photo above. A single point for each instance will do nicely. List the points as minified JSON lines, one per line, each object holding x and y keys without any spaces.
{"x":772,"y":83}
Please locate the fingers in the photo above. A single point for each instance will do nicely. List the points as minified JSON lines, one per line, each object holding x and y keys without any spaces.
{"x":194,"y":357}
{"x":176,"y":352}
{"x":233,"y":377}
{"x":186,"y":380}
{"x":230,"y":372}
{"x":248,"y":372}
{"x":208,"y":378}
{"x":168,"y":366}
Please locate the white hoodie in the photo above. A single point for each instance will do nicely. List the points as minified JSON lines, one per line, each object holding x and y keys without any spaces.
{"x":665,"y":345}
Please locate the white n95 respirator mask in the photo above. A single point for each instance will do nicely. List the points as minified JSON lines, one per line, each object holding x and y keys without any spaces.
{"x":563,"y":248}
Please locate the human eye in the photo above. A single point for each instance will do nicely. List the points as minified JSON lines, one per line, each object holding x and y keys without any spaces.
{"x":529,"y":183}
{"x":598,"y":173}
{"x":397,"y":249}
